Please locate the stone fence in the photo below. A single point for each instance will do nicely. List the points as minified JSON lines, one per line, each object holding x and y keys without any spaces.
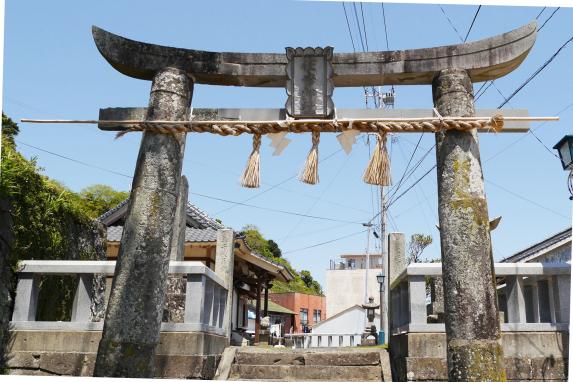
{"x":205,"y":297}
{"x":534,"y":315}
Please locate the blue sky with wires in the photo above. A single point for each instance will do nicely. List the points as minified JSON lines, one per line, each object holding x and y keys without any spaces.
{"x":53,"y":70}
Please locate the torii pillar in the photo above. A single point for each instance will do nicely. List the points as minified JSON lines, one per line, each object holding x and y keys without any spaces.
{"x":133,"y":317}
{"x":474,"y":348}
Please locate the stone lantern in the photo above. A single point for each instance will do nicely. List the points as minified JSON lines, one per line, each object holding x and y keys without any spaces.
{"x":370,"y":335}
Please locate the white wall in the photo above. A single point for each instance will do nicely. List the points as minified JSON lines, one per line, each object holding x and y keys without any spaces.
{"x":345,"y":288}
{"x":350,"y":322}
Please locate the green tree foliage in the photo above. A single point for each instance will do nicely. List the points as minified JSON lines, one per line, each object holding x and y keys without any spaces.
{"x":303,"y":282}
{"x":100,"y":198}
{"x":47,"y":220}
{"x":418,"y":242}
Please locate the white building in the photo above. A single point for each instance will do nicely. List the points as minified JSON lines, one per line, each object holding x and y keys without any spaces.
{"x":348,"y":278}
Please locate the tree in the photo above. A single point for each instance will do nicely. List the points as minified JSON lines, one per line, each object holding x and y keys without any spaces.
{"x":418,"y":242}
{"x":100,"y":198}
{"x":274,"y":248}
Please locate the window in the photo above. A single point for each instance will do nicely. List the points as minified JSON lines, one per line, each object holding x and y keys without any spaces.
{"x":304,"y":316}
{"x":316,"y":316}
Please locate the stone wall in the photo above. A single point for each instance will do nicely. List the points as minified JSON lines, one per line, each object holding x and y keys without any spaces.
{"x":529,"y":356}
{"x":179,"y":354}
{"x":6,"y":277}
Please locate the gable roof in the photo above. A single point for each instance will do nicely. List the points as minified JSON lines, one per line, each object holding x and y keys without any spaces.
{"x":540,"y":248}
{"x":200,"y":227}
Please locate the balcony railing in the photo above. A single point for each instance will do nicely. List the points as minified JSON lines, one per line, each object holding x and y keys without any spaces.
{"x":344,"y":264}
{"x":532,"y":297}
{"x":205,"y":297}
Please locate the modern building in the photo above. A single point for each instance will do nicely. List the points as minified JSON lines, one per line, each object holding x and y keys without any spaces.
{"x":310,"y":309}
{"x":252,"y":272}
{"x":348,"y":278}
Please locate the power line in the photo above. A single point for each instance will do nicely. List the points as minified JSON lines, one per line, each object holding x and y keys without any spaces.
{"x":531,"y":77}
{"x":547,"y":20}
{"x":385,"y":27}
{"x":364,"y":27}
{"x":528,"y":200}
{"x":451,"y":23}
{"x":74,"y":160}
{"x":358,"y":25}
{"x":472,"y":24}
{"x":275,"y":210}
{"x":194,"y":193}
{"x":539,"y":14}
{"x":325,"y":242}
{"x":525,"y":135}
{"x":349,"y":30}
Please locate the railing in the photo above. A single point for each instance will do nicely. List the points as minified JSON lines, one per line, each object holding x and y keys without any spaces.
{"x":320,"y":340}
{"x":205,"y":297}
{"x":343,"y":264}
{"x":532,"y":297}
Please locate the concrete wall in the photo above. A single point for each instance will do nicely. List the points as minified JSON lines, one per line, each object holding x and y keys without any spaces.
{"x":345,"y":288}
{"x":298,"y":301}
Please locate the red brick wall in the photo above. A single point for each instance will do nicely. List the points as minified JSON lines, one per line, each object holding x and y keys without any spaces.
{"x":296,"y":302}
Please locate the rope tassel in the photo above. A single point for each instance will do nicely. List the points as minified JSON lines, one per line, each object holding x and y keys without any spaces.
{"x":309,"y":174}
{"x":378,"y":170}
{"x":251,"y":176}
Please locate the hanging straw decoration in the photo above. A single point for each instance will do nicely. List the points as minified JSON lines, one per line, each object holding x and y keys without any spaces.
{"x":251,"y":176}
{"x":309,"y":174}
{"x":378,"y":170}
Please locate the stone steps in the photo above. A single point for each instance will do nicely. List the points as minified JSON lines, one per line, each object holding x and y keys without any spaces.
{"x":307,"y":364}
{"x":306,"y":372}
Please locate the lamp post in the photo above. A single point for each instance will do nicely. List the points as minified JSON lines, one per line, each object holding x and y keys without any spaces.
{"x":381,"y":335}
{"x":565,"y":149}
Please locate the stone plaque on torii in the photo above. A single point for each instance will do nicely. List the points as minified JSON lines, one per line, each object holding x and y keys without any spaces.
{"x":132,"y":324}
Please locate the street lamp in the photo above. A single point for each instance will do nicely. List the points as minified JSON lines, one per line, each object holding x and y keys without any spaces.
{"x":565,"y":149}
{"x":381,"y":337}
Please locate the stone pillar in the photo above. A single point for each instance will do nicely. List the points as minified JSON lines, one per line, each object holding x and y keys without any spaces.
{"x":473,"y":334}
{"x":396,"y":264}
{"x":133,"y":317}
{"x":174,"y":307}
{"x":396,"y":256}
{"x":224,"y":267}
{"x":515,"y":299}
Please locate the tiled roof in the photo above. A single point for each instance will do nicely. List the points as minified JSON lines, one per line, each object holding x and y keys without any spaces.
{"x":203,"y":228}
{"x":192,"y":235}
{"x":538,"y":247}
{"x":202,"y":218}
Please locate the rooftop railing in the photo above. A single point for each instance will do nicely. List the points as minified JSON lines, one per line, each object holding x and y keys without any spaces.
{"x":344,"y":264}
{"x":205,"y":297}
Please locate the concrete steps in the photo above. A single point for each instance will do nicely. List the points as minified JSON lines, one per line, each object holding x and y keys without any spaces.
{"x":308,"y":364}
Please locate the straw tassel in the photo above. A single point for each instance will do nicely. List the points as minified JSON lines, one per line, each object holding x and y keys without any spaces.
{"x":251,"y":176}
{"x":309,"y":174}
{"x":378,"y":170}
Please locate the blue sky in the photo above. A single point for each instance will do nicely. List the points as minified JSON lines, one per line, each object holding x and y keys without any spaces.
{"x":53,"y":70}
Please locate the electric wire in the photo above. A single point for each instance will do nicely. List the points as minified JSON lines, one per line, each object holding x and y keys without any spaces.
{"x":539,"y":70}
{"x":472,"y":24}
{"x":325,"y":242}
{"x":348,"y":25}
{"x":547,"y":20}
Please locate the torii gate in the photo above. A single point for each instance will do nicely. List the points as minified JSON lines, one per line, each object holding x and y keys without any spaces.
{"x":133,"y":317}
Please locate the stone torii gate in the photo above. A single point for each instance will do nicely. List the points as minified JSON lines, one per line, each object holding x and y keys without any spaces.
{"x":133,"y":317}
